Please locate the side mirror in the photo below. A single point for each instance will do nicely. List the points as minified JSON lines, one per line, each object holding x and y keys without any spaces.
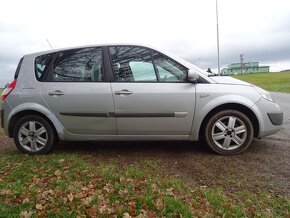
{"x":192,"y":75}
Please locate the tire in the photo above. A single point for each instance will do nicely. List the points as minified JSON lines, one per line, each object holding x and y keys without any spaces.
{"x":229,"y":132}
{"x":34,"y":135}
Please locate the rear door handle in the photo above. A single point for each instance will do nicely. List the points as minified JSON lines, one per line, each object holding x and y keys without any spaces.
{"x":56,"y":92}
{"x":123,"y":92}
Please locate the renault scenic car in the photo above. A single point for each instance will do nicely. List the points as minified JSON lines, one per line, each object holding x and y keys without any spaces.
{"x":130,"y":92}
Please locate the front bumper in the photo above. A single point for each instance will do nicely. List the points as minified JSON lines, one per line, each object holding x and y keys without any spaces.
{"x":276,"y":118}
{"x":270,"y":117}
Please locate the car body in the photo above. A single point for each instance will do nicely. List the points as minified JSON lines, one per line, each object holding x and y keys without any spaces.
{"x":130,"y":92}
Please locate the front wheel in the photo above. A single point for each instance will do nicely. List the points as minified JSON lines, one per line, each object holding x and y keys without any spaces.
{"x":34,"y":135}
{"x":229,"y":132}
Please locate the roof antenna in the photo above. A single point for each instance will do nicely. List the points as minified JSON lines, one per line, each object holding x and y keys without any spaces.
{"x":49,"y":44}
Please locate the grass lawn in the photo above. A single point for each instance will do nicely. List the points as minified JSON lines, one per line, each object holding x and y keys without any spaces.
{"x":78,"y":185}
{"x":1,"y":90}
{"x":274,"y":82}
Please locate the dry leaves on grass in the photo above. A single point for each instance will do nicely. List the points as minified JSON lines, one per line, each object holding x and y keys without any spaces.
{"x":25,"y":214}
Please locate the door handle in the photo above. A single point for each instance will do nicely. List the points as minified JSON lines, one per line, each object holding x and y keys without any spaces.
{"x":56,"y":92}
{"x":123,"y":92}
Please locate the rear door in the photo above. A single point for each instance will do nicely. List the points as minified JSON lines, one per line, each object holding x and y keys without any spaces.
{"x":151,"y":94}
{"x":75,"y":90}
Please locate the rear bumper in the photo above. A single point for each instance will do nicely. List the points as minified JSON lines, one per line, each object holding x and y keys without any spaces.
{"x":2,"y":118}
{"x":5,"y":109}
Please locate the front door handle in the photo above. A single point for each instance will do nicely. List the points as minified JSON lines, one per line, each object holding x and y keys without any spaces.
{"x":56,"y":92}
{"x":123,"y":92}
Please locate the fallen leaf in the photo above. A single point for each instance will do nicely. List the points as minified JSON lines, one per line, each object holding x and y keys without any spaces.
{"x":132,"y":204}
{"x":91,"y":186}
{"x":123,"y":191}
{"x":39,"y":207}
{"x":109,"y":188}
{"x":87,"y":201}
{"x":70,"y":197}
{"x":57,"y":173}
{"x":25,"y":214}
{"x":143,"y":212}
{"x":50,"y":191}
{"x":159,"y":204}
{"x":126,"y":215}
{"x":5,"y":192}
{"x":44,"y":194}
{"x":141,"y":216}
{"x":106,"y":210}
{"x":26,"y":200}
{"x":130,"y":180}
{"x":151,"y":213}
{"x":154,"y":187}
{"x":122,"y":179}
{"x":169,"y":191}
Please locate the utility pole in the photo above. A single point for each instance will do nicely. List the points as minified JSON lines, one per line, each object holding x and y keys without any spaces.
{"x":242,"y":59}
{"x":218,"y":41}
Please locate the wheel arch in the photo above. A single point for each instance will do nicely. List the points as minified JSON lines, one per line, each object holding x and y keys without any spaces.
{"x":231,"y":106}
{"x":23,"y":113}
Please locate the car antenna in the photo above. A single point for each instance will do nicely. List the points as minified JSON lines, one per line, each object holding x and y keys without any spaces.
{"x":49,"y":44}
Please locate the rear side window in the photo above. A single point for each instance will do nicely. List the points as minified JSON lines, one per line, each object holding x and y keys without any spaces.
{"x":18,"y":68}
{"x":79,"y":65}
{"x":41,"y":64}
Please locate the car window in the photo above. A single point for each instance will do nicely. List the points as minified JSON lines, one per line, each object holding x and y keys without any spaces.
{"x":18,"y":68}
{"x":132,"y":64}
{"x":41,"y":64}
{"x":168,"y":69}
{"x":142,"y":71}
{"x":83,"y":65}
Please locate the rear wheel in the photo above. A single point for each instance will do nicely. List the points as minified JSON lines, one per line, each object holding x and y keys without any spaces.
{"x":34,"y":135}
{"x":229,"y":132}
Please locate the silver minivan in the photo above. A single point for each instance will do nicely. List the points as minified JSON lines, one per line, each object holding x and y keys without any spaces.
{"x":130,"y":92}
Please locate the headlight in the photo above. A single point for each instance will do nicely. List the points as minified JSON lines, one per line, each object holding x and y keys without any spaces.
{"x":264,"y":93}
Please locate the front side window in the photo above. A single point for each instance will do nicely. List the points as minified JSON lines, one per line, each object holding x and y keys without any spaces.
{"x":140,"y":64}
{"x":168,"y":69}
{"x":79,"y":65}
{"x":132,"y":64}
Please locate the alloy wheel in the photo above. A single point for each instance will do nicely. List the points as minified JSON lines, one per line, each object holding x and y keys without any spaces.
{"x":32,"y":136}
{"x":229,"y":132}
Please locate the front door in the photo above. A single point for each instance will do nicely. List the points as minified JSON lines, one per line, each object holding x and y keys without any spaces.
{"x":75,"y":91}
{"x":150,"y":93}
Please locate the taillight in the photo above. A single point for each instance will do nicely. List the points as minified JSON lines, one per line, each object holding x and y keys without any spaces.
{"x":8,"y":89}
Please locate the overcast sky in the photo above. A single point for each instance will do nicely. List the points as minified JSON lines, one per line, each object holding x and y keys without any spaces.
{"x":257,"y":28}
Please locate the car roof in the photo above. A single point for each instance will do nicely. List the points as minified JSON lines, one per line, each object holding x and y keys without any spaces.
{"x":92,"y":45}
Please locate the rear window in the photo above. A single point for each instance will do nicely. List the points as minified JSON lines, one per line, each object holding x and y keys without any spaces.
{"x":18,"y":68}
{"x":41,"y":64}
